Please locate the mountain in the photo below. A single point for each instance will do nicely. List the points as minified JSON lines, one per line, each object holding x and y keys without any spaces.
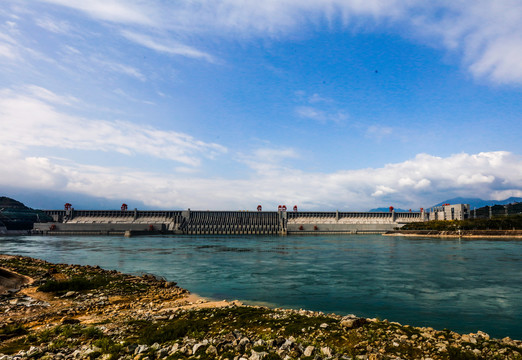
{"x":16,"y":216}
{"x":55,"y":200}
{"x":478,"y":203}
{"x":387,"y":209}
{"x":6,"y":202}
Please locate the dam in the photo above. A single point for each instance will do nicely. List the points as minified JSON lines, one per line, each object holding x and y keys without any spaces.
{"x":190,"y":222}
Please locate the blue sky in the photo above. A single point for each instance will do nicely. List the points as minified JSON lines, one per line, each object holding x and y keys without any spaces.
{"x":327,"y":104}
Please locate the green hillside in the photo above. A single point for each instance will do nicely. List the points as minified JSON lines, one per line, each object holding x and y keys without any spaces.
{"x":16,"y":216}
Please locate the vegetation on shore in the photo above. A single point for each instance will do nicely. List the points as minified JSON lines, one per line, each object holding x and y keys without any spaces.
{"x":510,"y":222}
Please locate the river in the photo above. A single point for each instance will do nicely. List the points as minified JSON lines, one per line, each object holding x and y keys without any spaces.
{"x":462,"y":285}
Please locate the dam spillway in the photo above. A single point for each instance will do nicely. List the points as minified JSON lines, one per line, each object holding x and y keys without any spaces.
{"x":190,"y":222}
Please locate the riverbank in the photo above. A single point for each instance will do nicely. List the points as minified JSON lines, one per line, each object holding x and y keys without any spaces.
{"x":72,"y":311}
{"x":488,"y":234}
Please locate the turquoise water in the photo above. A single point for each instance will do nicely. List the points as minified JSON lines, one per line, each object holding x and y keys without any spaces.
{"x":462,"y":285}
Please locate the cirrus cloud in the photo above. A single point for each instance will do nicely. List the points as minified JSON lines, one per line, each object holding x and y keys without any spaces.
{"x":486,"y":34}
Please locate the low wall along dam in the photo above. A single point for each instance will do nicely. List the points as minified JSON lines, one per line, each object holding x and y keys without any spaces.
{"x":115,"y":222}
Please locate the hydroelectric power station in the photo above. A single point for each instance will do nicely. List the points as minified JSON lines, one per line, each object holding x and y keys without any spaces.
{"x":281,"y":222}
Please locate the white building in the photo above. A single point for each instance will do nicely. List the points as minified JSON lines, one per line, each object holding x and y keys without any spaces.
{"x":450,"y":212}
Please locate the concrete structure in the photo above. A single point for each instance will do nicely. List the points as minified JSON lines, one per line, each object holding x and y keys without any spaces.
{"x":110,"y":222}
{"x":349,"y":222}
{"x":450,"y":212}
{"x":231,"y":222}
{"x":117,"y":222}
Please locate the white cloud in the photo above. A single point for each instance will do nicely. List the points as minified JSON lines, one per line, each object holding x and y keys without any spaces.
{"x":32,"y":119}
{"x":8,"y":47}
{"x":487,"y":33}
{"x":318,"y":108}
{"x":127,"y":11}
{"x":383,"y":190}
{"x":316,"y":98}
{"x":55,"y":26}
{"x":422,"y":184}
{"x":7,"y":51}
{"x":120,"y":68}
{"x":126,"y":96}
{"x":504,"y":194}
{"x":13,"y":50}
{"x":378,"y":132}
{"x":169,"y":47}
{"x":475,"y":179}
{"x":268,"y":160}
{"x":431,"y":179}
{"x":47,"y":95}
{"x":320,"y":115}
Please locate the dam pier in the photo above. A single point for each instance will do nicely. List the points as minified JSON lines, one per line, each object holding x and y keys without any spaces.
{"x":190,"y":222}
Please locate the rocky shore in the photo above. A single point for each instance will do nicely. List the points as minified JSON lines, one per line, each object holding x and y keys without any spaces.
{"x":84,"y":312}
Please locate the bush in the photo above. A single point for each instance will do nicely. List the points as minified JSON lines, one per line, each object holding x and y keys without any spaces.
{"x":10,"y":331}
{"x":173,"y":331}
{"x":74,"y":284}
{"x":92,"y":332}
{"x":108,"y":346}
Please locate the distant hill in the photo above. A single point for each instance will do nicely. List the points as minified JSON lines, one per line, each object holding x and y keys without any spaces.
{"x":387,"y":209}
{"x":6,"y":202}
{"x":16,"y":216}
{"x":478,"y":203}
{"x":54,"y":200}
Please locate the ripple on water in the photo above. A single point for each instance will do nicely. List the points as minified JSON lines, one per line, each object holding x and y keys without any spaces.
{"x":464,"y":285}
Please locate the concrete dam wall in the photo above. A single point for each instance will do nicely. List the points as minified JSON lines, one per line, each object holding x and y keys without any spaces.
{"x":348,"y":222}
{"x":115,"y":222}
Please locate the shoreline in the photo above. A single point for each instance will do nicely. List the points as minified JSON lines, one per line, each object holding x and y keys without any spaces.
{"x":470,"y":234}
{"x":138,"y":317}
